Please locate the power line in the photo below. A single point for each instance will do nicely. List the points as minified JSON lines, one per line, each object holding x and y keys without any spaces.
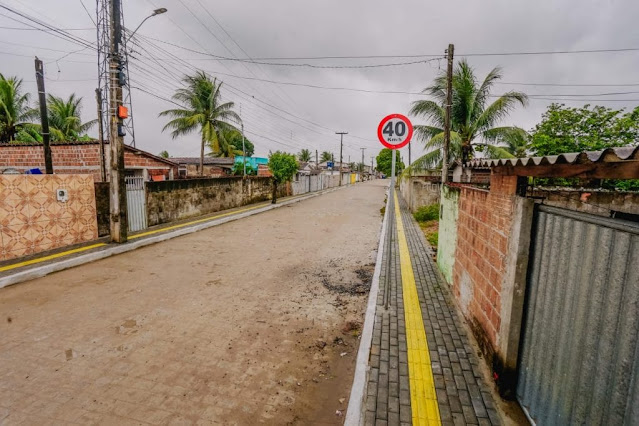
{"x":566,"y":85}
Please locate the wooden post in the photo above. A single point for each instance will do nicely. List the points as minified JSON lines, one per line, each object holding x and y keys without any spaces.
{"x":44,"y":119}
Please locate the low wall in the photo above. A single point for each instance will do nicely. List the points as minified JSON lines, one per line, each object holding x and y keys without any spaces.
{"x":32,"y":220}
{"x":599,"y":203}
{"x":447,"y":241}
{"x":418,"y":192}
{"x":179,"y":199}
{"x":312,"y":183}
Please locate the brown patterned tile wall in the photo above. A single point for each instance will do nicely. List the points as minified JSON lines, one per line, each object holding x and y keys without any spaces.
{"x":32,"y":220}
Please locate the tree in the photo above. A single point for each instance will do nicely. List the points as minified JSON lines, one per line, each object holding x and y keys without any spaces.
{"x":226,"y":148}
{"x":384,"y":162}
{"x":563,"y":129}
{"x":304,"y":156}
{"x":471,"y":117}
{"x":326,"y":156}
{"x":283,"y":166}
{"x":238,"y":169}
{"x":164,"y":154}
{"x":15,"y":113}
{"x":202,"y":110}
{"x":235,"y":138}
{"x":65,"y":121}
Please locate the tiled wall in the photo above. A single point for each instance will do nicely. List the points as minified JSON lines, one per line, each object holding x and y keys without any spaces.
{"x":32,"y":220}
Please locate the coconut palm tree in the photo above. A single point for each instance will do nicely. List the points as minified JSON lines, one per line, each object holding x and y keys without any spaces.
{"x":15,"y":113}
{"x":65,"y":122}
{"x":226,"y":140}
{"x":326,"y":156}
{"x":203,"y":111}
{"x":472,"y":117}
{"x":304,"y":156}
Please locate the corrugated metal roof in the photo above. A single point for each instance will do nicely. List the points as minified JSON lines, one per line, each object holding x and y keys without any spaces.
{"x":208,"y":161}
{"x":609,"y":155}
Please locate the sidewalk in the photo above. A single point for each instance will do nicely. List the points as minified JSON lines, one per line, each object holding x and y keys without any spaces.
{"x":422,"y":368}
{"x":42,"y":264}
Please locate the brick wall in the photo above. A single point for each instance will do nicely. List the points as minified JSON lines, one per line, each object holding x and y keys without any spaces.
{"x":135,"y":159}
{"x":67,"y":159}
{"x":483,"y":228}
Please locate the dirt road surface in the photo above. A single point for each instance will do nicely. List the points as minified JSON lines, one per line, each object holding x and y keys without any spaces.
{"x":254,"y":321}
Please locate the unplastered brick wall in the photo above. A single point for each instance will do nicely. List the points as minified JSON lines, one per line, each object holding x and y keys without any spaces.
{"x":133,"y":159}
{"x":484,"y":224}
{"x":33,"y":220}
{"x":67,"y":159}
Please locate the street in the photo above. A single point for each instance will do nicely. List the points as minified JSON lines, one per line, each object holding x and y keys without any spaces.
{"x":253,"y":321}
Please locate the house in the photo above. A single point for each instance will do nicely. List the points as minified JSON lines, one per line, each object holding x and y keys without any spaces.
{"x":213,"y":166}
{"x":254,"y":162}
{"x":83,"y":157}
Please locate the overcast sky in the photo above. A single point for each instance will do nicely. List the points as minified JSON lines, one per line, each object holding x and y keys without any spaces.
{"x":294,"y":28}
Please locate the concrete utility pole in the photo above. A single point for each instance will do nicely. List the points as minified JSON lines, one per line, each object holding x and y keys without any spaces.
{"x":44,"y":118}
{"x":316,"y":160}
{"x":243,"y":150}
{"x":362,"y":166}
{"x":98,"y":98}
{"x":449,"y":104}
{"x":341,"y":144}
{"x":117,"y":187}
{"x":372,"y":164}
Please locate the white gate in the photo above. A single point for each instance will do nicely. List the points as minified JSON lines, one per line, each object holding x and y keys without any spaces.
{"x":136,"y":203}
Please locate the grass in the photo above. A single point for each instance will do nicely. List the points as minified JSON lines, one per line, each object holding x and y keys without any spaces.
{"x":427,"y":213}
{"x":427,"y":217}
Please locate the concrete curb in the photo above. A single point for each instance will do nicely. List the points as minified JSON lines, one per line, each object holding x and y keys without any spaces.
{"x":355,"y":410}
{"x":41,"y":271}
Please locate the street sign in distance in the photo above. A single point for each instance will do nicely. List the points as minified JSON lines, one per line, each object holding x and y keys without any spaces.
{"x":395,"y":131}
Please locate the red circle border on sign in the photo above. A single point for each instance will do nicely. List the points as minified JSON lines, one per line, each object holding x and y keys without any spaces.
{"x":381,"y":126}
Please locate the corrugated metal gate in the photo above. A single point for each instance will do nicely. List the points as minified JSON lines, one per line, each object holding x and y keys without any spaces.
{"x":136,"y":203}
{"x":579,"y":360}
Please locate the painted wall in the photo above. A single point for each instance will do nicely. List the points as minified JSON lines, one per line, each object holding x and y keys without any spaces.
{"x":32,"y":220}
{"x":418,"y":192}
{"x":447,"y":241}
{"x":170,"y":201}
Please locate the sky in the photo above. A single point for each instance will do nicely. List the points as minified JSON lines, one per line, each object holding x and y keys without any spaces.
{"x":288,"y":117}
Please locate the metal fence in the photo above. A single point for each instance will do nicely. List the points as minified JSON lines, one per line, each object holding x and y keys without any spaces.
{"x":136,"y":203}
{"x":579,"y":361}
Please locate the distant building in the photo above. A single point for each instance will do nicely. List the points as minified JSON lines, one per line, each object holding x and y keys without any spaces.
{"x":253,"y":161}
{"x":213,"y":166}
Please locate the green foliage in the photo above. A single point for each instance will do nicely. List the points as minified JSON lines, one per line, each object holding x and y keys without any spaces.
{"x":563,"y":129}
{"x":472,"y":117}
{"x":226,"y":146}
{"x":15,"y":112}
{"x":433,"y":238}
{"x":65,"y":121}
{"x":164,"y":154}
{"x":426,"y":213}
{"x":234,"y":137}
{"x":238,"y":169}
{"x":326,"y":156}
{"x":304,"y":156}
{"x":384,"y":162}
{"x":202,"y":111}
{"x":283,"y":166}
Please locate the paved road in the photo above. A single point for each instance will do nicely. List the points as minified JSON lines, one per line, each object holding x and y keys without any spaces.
{"x":251,"y":321}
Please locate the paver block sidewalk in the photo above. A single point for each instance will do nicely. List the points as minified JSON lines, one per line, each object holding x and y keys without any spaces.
{"x":462,"y":395}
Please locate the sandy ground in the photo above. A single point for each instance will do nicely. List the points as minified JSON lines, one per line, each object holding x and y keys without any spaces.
{"x":254,"y":321}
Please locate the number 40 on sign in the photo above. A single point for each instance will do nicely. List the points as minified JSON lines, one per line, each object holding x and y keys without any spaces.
{"x":395,"y":131}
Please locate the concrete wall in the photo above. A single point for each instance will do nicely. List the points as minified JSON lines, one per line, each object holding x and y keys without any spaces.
{"x":175,"y":200}
{"x":32,"y":220}
{"x":418,"y":192}
{"x":593,"y":202}
{"x":447,"y":241}
{"x":312,"y":183}
{"x":102,"y":206}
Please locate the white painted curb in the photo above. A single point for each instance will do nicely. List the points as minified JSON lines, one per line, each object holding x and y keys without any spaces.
{"x":355,"y":410}
{"x":41,"y":271}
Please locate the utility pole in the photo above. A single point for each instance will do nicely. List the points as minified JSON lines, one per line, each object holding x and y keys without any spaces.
{"x":449,"y":104}
{"x":98,"y":98}
{"x":362,"y":166}
{"x":341,"y":145}
{"x":316,"y":160}
{"x":117,"y":188}
{"x":372,"y":164}
{"x":44,"y":118}
{"x":243,"y":150}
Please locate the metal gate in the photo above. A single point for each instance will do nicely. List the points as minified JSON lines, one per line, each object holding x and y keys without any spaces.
{"x":579,"y":359}
{"x":136,"y":203}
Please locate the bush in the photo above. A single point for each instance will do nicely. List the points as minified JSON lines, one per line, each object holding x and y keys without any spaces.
{"x":426,"y":213}
{"x":433,"y":238}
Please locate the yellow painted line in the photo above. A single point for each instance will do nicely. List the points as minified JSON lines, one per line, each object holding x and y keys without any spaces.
{"x":423,"y":399}
{"x":52,"y":256}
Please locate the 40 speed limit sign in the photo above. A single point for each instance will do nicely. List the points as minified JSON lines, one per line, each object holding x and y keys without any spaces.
{"x":395,"y":131}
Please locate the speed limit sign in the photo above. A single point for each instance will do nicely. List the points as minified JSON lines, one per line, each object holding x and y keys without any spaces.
{"x":395,"y":131}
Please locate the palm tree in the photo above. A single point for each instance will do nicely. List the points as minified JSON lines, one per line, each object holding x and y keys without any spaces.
{"x":471,"y":117}
{"x":202,"y":110}
{"x":326,"y":156}
{"x":304,"y":156}
{"x":226,"y":138}
{"x":65,"y":122}
{"x":15,"y":113}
